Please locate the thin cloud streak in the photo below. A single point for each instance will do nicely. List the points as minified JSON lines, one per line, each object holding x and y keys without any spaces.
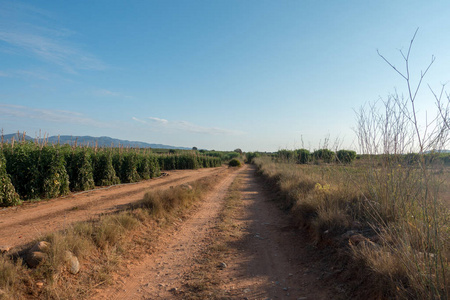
{"x":26,"y":34}
{"x":108,"y":93}
{"x":49,"y":115}
{"x":163,"y":124}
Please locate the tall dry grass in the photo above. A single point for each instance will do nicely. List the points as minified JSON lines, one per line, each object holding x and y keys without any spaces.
{"x":391,"y":224}
{"x":391,"y":210}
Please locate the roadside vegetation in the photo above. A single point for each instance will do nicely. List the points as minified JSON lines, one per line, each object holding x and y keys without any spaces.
{"x":37,"y":170}
{"x":388,"y":209}
{"x":71,"y":263}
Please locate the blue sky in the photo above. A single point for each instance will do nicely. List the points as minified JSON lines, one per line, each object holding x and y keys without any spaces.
{"x":258,"y":75}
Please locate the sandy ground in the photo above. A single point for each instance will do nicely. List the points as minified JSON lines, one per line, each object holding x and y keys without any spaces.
{"x":158,"y":275}
{"x":22,"y":224}
{"x":271,"y":259}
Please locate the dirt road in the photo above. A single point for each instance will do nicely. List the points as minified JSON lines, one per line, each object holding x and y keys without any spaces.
{"x":20,"y":225}
{"x":270,"y":260}
{"x":273,"y":259}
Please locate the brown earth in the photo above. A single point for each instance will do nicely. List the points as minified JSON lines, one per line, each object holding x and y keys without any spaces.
{"x":273,"y":259}
{"x":22,"y":224}
{"x":270,"y":260}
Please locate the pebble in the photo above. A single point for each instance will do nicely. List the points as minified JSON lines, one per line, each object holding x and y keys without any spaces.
{"x":5,"y":248}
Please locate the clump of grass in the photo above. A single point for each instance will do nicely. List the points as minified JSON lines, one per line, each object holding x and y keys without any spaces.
{"x":11,"y":277}
{"x":394,"y":205}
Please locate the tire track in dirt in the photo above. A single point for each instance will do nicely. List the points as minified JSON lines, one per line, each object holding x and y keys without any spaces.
{"x":20,"y":225}
{"x":160,"y":274}
{"x":272,"y":259}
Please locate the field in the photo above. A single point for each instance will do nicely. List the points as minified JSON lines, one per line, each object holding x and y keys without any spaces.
{"x":389,"y":217}
{"x":349,"y":227}
{"x":36,"y":170}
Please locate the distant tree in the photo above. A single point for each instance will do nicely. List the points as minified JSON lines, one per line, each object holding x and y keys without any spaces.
{"x":345,"y":156}
{"x":194,"y":148}
{"x":238,"y":150}
{"x":303,"y":156}
{"x":324,"y":155}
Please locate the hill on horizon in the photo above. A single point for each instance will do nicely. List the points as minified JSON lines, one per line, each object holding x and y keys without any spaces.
{"x":103,"y":141}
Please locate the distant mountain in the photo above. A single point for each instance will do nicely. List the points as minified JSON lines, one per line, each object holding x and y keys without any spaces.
{"x":103,"y":141}
{"x":438,"y":151}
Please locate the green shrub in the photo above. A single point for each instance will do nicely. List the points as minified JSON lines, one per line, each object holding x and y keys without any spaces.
{"x":8,"y":195}
{"x":345,"y":156}
{"x":250,"y":156}
{"x":22,"y":164}
{"x":234,"y":163}
{"x":80,"y":170}
{"x":104,"y":173}
{"x":37,"y":171}
{"x":286,"y":154}
{"x":155,"y":169}
{"x":144,"y":166}
{"x":128,"y":167}
{"x":303,"y":156}
{"x":324,"y":155}
{"x":53,"y":174}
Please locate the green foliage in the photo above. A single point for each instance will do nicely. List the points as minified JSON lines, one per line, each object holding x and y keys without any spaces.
{"x":324,"y":155}
{"x":223,"y":155}
{"x":187,"y":161}
{"x":303,"y":156}
{"x":128,"y":167}
{"x":285,"y":154}
{"x":8,"y":195}
{"x":234,"y":163}
{"x":41,"y":171}
{"x":53,"y":174}
{"x":104,"y":173}
{"x":79,"y":168}
{"x":250,"y":156}
{"x":22,"y":165}
{"x":37,"y":171}
{"x":345,"y":156}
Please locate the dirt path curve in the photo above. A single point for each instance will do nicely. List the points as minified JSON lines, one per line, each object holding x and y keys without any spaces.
{"x":160,"y":274}
{"x":20,"y":225}
{"x":272,"y":260}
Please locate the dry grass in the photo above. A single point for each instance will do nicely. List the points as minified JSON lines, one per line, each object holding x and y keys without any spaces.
{"x":99,"y":245}
{"x":396,"y":210}
{"x":203,"y":282}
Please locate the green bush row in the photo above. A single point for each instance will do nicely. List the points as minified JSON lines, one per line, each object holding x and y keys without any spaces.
{"x":187,"y":161}
{"x":33,"y":171}
{"x":303,"y":156}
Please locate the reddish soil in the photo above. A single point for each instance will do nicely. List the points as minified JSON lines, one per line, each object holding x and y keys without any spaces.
{"x":22,"y":224}
{"x":270,"y":260}
{"x":155,"y":275}
{"x":273,"y":259}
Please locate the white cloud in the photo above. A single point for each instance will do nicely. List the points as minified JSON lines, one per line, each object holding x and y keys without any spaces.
{"x":108,"y":93}
{"x":21,"y":30}
{"x":4,"y":74}
{"x":183,"y":126}
{"x":158,"y":120}
{"x":50,"y":115}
